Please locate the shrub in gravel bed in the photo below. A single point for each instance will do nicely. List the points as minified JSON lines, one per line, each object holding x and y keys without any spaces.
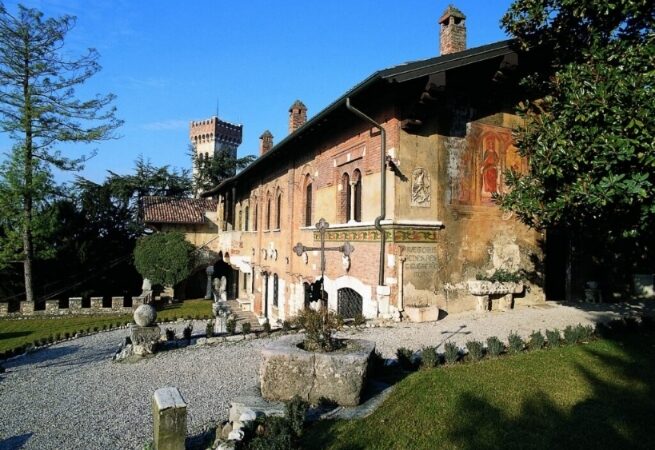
{"x":429,"y":358}
{"x":571,"y":335}
{"x":404,"y":356}
{"x":494,"y":346}
{"x":209,"y":329}
{"x":231,"y":326}
{"x":245,"y":327}
{"x":553,"y":338}
{"x":286,"y":325}
{"x":475,"y":349}
{"x":359,"y":319}
{"x":170,"y":334}
{"x":586,"y":333}
{"x":516,"y":343}
{"x":186,"y":332}
{"x":451,"y":353}
{"x":537,"y":341}
{"x":266,"y":327}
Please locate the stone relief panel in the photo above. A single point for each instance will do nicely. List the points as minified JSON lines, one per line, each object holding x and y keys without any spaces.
{"x":421,"y":193}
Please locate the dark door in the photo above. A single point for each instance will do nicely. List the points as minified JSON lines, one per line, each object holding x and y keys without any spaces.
{"x":349,"y":303}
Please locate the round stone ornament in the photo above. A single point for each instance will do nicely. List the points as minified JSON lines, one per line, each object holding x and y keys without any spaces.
{"x":145,"y":315}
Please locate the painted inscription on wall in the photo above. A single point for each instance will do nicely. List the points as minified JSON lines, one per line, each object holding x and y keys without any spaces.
{"x":420,"y":259}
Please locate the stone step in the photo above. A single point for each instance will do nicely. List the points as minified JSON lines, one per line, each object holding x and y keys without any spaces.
{"x":243,"y":316}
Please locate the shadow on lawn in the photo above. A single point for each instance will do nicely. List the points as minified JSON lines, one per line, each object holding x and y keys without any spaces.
{"x":617,"y":412}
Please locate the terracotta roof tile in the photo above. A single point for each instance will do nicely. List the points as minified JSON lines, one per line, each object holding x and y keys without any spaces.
{"x":176,"y":210}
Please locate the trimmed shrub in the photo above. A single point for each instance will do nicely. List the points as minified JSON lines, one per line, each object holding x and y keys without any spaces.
{"x":186,"y":332}
{"x":585,"y":333}
{"x":429,"y":358}
{"x":495,"y":346}
{"x":295,"y":411}
{"x":231,"y":326}
{"x":571,"y":335}
{"x":553,"y":337}
{"x":266,"y":327}
{"x":451,"y":353}
{"x":209,"y":329}
{"x":537,"y":341}
{"x":515,"y":343}
{"x":170,"y":334}
{"x":58,"y":337}
{"x":475,"y":350}
{"x":404,"y":356}
{"x":245,"y":327}
{"x":286,"y":325}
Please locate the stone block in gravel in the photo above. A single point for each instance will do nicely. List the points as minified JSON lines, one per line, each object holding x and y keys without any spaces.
{"x":235,"y":338}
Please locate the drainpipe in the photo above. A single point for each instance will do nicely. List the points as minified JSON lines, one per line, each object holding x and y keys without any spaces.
{"x":383,"y":184}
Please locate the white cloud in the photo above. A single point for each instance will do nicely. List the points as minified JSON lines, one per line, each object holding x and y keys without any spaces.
{"x":165,"y":125}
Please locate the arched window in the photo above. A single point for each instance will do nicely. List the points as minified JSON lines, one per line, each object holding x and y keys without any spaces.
{"x":278,"y":211}
{"x":357,"y":196}
{"x":255,"y":215}
{"x":275,"y":289}
{"x":345,"y":197}
{"x":246,"y":218}
{"x":268,"y":213}
{"x":239,"y":220}
{"x":308,"y":201}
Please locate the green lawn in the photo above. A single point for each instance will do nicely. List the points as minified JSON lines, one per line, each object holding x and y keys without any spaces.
{"x":599,"y":395}
{"x":14,"y":333}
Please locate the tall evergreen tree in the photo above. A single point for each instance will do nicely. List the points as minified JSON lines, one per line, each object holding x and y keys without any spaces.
{"x":39,"y":108}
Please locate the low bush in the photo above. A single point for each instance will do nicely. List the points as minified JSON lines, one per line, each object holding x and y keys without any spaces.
{"x":404,"y":356}
{"x":359,"y":320}
{"x":231,"y":326}
{"x":319,"y":327}
{"x":495,"y":346}
{"x":537,"y":341}
{"x":245,"y":327}
{"x":571,"y":335}
{"x":36,"y":343}
{"x":586,"y":333}
{"x":286,"y":325}
{"x":278,"y":433}
{"x":515,"y":343}
{"x":451,"y":353}
{"x":209,"y":329}
{"x":186,"y":332}
{"x":266,"y":327}
{"x":429,"y":358}
{"x":67,"y":335}
{"x":475,"y":350}
{"x":58,"y":337}
{"x":170,"y":334}
{"x":553,"y":337}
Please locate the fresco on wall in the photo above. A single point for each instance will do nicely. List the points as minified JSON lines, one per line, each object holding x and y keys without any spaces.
{"x":489,"y":152}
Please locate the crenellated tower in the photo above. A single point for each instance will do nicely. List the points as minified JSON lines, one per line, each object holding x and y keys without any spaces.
{"x":213,"y":136}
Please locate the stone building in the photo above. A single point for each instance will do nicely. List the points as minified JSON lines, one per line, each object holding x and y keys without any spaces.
{"x":403,"y":167}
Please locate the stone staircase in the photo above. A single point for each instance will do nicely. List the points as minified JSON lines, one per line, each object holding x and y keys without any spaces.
{"x":243,"y":316}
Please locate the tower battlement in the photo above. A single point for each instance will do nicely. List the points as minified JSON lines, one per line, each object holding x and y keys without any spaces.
{"x":215,"y":130}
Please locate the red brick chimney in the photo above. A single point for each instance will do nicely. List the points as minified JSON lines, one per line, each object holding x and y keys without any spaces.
{"x":265,"y":142}
{"x":452,"y":35}
{"x":297,"y":116}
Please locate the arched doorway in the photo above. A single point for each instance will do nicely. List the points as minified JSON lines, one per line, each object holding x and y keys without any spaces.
{"x":349,"y":303}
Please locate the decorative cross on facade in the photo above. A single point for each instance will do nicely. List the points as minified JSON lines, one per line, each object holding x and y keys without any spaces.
{"x":322,"y":226}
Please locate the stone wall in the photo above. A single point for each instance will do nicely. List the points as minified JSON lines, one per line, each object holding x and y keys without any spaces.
{"x":53,"y":308}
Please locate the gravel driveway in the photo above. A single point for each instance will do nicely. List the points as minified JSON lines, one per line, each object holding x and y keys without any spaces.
{"x":72,"y":396}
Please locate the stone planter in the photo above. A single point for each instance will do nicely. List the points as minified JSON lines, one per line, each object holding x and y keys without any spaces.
{"x":288,"y":370}
{"x":494,"y":294}
{"x":422,"y":313}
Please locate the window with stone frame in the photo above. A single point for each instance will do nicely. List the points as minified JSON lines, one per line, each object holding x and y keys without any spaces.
{"x":308,"y":201}
{"x":278,"y":210}
{"x":356,"y":192}
{"x":275,"y":290}
{"x":268,"y":212}
{"x":239,"y":219}
{"x":246,"y":217}
{"x":255,"y":214}
{"x":345,"y":198}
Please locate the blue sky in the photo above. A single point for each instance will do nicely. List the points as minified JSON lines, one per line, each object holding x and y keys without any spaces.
{"x":170,"y":62}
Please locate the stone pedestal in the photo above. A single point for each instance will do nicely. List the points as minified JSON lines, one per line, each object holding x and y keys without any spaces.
{"x":75,"y":304}
{"x":27,"y":308}
{"x":144,"y":339}
{"x":96,"y":303}
{"x":52,"y":307}
{"x":4,"y":309}
{"x":169,"y":419}
{"x":117,"y":303}
{"x":220,"y":325}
